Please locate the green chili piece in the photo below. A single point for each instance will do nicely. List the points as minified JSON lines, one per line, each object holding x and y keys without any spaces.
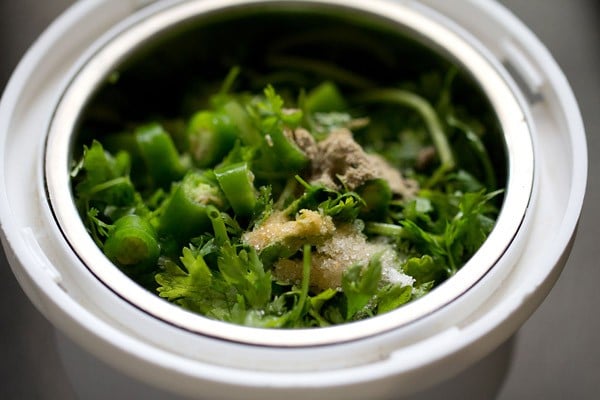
{"x":126,"y":142}
{"x":236,"y":181}
{"x":121,"y":141}
{"x":284,"y":153}
{"x":186,"y":213}
{"x":247,"y":132}
{"x":325,"y":98}
{"x":132,"y":242}
{"x":211,"y":134}
{"x":159,"y":154}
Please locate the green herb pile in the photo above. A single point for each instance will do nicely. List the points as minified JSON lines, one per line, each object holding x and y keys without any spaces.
{"x":269,"y":209}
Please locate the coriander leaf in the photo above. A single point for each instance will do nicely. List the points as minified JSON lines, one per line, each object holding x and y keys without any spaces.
{"x":422,"y":290}
{"x":272,"y":104}
{"x":360,"y":284}
{"x":463,"y":181}
{"x":323,"y":123}
{"x":419,"y":210}
{"x":264,"y":205}
{"x":271,"y":109}
{"x":316,"y":305}
{"x":424,"y":241}
{"x":424,"y":269}
{"x":103,"y":178}
{"x":97,"y":228}
{"x":276,"y":313}
{"x":393,"y":296}
{"x":375,"y":196}
{"x":245,"y":272}
{"x":470,"y":227}
{"x":340,"y":206}
{"x":343,"y":207}
{"x":477,"y":147}
{"x":194,"y":288}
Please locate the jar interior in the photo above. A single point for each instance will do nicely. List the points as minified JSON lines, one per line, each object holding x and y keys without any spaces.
{"x":171,"y":75}
{"x":293,"y":48}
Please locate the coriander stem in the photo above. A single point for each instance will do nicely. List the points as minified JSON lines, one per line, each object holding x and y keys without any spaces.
{"x":286,"y":193}
{"x":479,"y":148}
{"x":306,"y":265}
{"x":218,"y":225}
{"x":109,"y":184}
{"x":230,"y":80}
{"x":330,"y":71}
{"x":426,"y":111}
{"x":383,"y":229}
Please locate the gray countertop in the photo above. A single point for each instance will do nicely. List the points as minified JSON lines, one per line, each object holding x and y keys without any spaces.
{"x":557,"y":353}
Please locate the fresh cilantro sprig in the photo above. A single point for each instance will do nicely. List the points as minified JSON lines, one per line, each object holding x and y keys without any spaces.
{"x":360,"y":285}
{"x":194,"y":287}
{"x":340,"y":205}
{"x":453,"y":238}
{"x":103,"y":189}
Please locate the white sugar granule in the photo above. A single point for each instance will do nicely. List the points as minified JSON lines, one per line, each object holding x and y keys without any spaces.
{"x":346,"y":247}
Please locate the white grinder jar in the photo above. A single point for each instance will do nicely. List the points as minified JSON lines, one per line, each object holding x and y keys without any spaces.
{"x":397,"y":354}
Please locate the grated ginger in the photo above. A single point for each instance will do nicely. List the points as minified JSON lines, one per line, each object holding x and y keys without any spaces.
{"x":308,"y":227}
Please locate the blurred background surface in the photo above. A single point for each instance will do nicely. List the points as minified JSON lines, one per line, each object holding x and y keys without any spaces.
{"x":557,"y":352}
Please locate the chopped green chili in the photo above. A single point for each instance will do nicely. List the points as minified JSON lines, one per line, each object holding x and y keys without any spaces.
{"x":236,"y":181}
{"x":159,"y":154}
{"x":325,"y":98}
{"x":185,"y":213}
{"x":211,"y":135}
{"x":132,"y":242}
